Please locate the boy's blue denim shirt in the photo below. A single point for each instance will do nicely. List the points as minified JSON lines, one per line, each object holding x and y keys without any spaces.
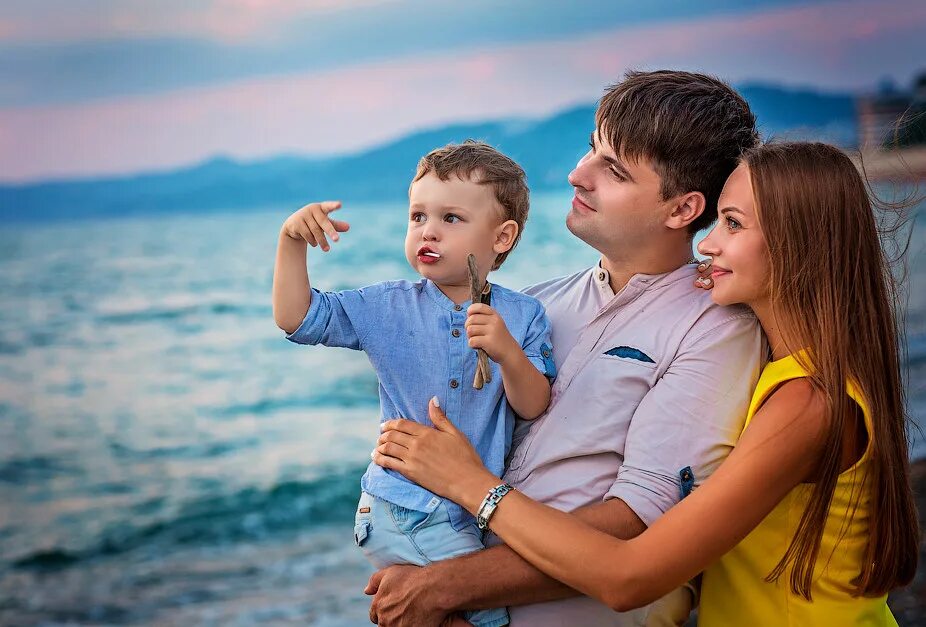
{"x":414,"y":337}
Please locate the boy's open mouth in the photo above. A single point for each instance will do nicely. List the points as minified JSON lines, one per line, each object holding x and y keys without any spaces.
{"x":426,"y":255}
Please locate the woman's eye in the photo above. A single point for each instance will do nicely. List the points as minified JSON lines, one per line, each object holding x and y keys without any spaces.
{"x":732,"y":224}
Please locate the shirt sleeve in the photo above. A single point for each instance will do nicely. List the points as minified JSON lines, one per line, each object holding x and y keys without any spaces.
{"x":340,"y":319}
{"x":538,"y":345}
{"x":689,"y":421}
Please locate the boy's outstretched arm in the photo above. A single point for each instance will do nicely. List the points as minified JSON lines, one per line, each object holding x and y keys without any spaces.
{"x":292,"y":293}
{"x":527,"y":389}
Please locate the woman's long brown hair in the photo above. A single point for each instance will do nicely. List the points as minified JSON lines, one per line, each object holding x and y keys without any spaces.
{"x":832,"y":289}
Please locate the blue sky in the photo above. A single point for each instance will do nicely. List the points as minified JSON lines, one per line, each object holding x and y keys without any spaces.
{"x":98,"y":86}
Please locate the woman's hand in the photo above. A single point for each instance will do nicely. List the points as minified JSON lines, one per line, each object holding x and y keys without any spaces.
{"x":439,"y":459}
{"x":704,"y":280}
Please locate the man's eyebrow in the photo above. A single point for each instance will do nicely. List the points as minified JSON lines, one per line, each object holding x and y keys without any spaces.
{"x":615,"y":163}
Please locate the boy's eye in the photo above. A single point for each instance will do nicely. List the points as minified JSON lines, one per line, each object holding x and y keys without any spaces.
{"x":452,"y":218}
{"x":417,"y":217}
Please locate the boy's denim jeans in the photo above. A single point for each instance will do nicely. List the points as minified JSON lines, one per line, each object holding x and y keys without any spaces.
{"x":389,"y":534}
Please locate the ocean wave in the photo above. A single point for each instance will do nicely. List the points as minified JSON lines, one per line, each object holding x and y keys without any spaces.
{"x":249,"y":514}
{"x":179,"y":312}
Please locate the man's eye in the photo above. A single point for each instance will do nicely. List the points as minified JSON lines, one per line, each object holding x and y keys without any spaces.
{"x":617,"y":174}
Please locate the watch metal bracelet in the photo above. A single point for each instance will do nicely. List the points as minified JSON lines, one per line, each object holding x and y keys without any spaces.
{"x":489,"y":503}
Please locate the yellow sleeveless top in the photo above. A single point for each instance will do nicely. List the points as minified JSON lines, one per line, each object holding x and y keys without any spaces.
{"x":734,"y":591}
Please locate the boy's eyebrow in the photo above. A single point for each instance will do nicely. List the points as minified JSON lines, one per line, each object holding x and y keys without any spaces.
{"x":615,"y":163}
{"x":418,"y":205}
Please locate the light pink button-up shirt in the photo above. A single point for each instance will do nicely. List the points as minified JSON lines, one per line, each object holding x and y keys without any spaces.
{"x":672,"y":395}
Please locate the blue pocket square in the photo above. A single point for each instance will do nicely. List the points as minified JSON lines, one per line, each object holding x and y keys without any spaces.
{"x":630,"y":353}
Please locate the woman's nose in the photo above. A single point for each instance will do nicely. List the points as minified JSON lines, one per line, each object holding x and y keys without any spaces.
{"x":707,"y":246}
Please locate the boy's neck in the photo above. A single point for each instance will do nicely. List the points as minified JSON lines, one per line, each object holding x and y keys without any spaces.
{"x":458,"y":293}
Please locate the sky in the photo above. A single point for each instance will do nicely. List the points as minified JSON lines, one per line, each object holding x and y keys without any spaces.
{"x":101,"y":87}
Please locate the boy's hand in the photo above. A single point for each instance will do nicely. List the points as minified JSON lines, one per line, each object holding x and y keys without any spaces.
{"x":487,"y":330}
{"x":312,"y":224}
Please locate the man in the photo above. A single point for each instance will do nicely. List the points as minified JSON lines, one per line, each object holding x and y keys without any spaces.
{"x":653,"y":379}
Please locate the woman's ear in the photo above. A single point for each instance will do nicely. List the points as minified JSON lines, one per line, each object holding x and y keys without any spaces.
{"x":505,"y":235}
{"x":688,"y":208}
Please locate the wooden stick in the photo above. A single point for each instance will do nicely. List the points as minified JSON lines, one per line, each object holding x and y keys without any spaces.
{"x":480,"y":294}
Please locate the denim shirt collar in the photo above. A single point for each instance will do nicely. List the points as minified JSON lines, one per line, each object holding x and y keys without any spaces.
{"x":441,"y":299}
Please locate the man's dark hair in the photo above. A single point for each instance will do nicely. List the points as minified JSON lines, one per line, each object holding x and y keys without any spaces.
{"x":692,"y":127}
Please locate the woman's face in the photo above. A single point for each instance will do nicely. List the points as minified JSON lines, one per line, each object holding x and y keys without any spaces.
{"x":736,"y":245}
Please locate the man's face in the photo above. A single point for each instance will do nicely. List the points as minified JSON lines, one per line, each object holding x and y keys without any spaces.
{"x":618,"y":206}
{"x":448,"y":220}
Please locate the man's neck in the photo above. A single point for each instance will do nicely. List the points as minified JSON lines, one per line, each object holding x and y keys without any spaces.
{"x":621,"y":270}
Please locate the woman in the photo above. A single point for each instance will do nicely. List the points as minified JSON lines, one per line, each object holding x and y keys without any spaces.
{"x":810,"y":520}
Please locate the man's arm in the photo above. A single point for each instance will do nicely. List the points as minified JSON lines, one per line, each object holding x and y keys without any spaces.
{"x":495,"y":577}
{"x":499,"y":577}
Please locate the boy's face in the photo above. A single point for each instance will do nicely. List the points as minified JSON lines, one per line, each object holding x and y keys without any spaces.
{"x":448,"y":220}
{"x":618,"y":206}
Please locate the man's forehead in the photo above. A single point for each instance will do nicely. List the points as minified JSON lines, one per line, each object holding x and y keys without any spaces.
{"x":600,"y":138}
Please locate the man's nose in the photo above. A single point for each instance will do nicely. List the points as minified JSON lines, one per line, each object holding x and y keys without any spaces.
{"x":579,"y":177}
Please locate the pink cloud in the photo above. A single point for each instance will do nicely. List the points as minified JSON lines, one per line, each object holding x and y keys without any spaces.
{"x":229,"y":21}
{"x":835,"y":46}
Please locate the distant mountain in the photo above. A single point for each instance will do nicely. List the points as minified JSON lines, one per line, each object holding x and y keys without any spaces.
{"x":547,"y":149}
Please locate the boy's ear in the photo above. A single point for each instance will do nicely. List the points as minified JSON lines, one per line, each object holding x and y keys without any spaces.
{"x":505,"y":234}
{"x":686,"y":210}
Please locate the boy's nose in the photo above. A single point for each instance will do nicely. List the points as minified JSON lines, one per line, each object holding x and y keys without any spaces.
{"x":430,"y":233}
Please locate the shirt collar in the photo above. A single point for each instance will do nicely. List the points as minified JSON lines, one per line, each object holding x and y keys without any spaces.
{"x":441,"y":299}
{"x":602,"y":278}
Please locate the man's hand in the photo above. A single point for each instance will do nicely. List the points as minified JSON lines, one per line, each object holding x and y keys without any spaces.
{"x":401,"y":598}
{"x":312,"y":224}
{"x":486,"y":330}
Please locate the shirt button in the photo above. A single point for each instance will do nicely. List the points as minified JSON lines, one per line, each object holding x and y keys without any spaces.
{"x":454,"y":383}
{"x":545,"y":353}
{"x":601,"y":276}
{"x":455,"y":333}
{"x":457,"y":307}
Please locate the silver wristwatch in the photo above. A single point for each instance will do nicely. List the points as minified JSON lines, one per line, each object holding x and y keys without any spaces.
{"x":489,"y":503}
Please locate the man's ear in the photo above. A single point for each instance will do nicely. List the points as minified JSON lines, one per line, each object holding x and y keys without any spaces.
{"x":505,"y":235}
{"x":686,"y":210}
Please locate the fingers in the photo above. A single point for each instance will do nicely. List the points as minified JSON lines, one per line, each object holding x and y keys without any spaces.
{"x":479,"y":308}
{"x":329,"y":205}
{"x":402,"y":439}
{"x":404,"y":426}
{"x":373,"y":583}
{"x":391,"y":449}
{"x":392,"y":463}
{"x":306,"y":233}
{"x":438,"y":417}
{"x":340,"y":225}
